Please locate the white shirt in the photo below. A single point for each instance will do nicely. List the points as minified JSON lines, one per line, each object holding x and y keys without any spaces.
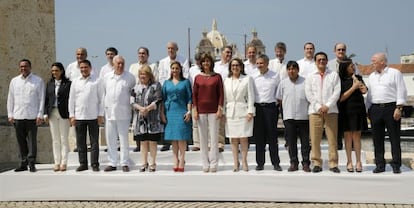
{"x":306,"y":66}
{"x":266,"y":86}
{"x":250,"y":68}
{"x":386,"y":87}
{"x":222,"y":68}
{"x":57,"y":86}
{"x":85,"y":98}
{"x":26,"y":97}
{"x":279,"y":67}
{"x":323,"y":91}
{"x":192,"y":73}
{"x":334,"y":66}
{"x":105,"y":69}
{"x":293,"y":97}
{"x":117,"y":94}
{"x":135,"y":67}
{"x":73,"y":71}
{"x":164,"y":70}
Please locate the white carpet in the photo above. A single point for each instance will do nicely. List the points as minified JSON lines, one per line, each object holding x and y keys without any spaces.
{"x":194,"y":185}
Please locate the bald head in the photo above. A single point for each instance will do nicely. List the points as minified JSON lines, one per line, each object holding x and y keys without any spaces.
{"x":119,"y":64}
{"x":379,"y":61}
{"x":172,"y":49}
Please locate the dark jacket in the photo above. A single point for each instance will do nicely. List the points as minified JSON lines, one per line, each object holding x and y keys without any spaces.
{"x":62,"y":97}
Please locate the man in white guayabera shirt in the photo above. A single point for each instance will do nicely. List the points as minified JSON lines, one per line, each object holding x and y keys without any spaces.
{"x":117,"y":86}
{"x":25,"y":103}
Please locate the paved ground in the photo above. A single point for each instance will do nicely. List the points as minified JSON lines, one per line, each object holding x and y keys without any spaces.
{"x":192,"y":205}
{"x":407,"y":155}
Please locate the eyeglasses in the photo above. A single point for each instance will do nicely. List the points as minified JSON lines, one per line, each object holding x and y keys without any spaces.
{"x":341,"y":49}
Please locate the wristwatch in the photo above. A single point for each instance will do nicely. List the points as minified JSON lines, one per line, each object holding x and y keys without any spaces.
{"x":400,"y":108}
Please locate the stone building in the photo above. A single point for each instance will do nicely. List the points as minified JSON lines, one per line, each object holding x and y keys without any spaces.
{"x":205,"y":46}
{"x":27,"y":31}
{"x":407,"y":59}
{"x":256,"y":42}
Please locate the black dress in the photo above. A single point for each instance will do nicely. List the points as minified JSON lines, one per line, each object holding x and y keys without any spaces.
{"x":352,"y":111}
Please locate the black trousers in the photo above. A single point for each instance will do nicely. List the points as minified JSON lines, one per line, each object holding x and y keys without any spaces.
{"x":81,"y":128}
{"x":26,"y":133}
{"x":265,"y":132}
{"x":381,"y":116}
{"x":293,"y":129}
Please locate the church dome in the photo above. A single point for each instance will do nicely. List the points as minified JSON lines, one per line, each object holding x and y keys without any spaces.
{"x":217,"y":39}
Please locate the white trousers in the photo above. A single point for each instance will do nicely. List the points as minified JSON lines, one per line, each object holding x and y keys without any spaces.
{"x":115,"y":129}
{"x":59,"y":129}
{"x":208,"y":125}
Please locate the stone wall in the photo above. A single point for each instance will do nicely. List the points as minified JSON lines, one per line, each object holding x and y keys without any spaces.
{"x":27,"y":31}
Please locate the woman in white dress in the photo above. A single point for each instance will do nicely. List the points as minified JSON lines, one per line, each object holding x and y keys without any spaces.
{"x":239,"y":110}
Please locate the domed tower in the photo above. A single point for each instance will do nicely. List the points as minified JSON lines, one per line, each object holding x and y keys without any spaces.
{"x":217,"y":39}
{"x":256,"y":42}
{"x":205,"y":45}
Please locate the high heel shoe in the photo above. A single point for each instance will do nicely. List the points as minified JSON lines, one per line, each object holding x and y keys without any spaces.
{"x":245,"y":166}
{"x":236,"y":167}
{"x":63,"y":167}
{"x":175,"y":169}
{"x":143,"y":167}
{"x":358,"y":167}
{"x":152,"y":168}
{"x":56,"y":168}
{"x":350,"y":168}
{"x":180,"y":170}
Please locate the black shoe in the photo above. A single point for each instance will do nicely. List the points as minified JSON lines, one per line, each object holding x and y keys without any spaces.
{"x":293,"y":167}
{"x":306,"y":168}
{"x":20,"y":169}
{"x":259,"y":167}
{"x":137,"y":149}
{"x":32,"y":168}
{"x":106,"y":150}
{"x":76,"y":149}
{"x":277,"y":168}
{"x":335,"y":170}
{"x":125,"y":168}
{"x":165,"y":147}
{"x":221,"y":149}
{"x":95,"y":168}
{"x":316,"y":169}
{"x":187,"y":148}
{"x":89,"y":149}
{"x":81,"y":168}
{"x":379,"y":170}
{"x":109,"y":168}
{"x":119,"y":149}
{"x":396,"y":170}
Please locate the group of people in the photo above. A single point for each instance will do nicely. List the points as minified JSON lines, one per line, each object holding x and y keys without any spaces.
{"x":240,"y":100}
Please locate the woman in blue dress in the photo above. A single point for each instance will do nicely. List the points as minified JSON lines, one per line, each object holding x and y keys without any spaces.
{"x":176,"y":93}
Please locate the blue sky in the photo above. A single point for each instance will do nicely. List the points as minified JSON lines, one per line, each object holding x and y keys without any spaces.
{"x":367,"y":26}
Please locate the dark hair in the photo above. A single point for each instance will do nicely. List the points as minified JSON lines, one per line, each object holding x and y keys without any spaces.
{"x":144,"y":48}
{"x":309,"y":43}
{"x":86,"y":61}
{"x":181,"y":70}
{"x":320,"y":53}
{"x":205,"y":56}
{"x":343,"y":68}
{"x":26,"y":60}
{"x":281,"y":45}
{"x":112,"y":49}
{"x":264,"y":57}
{"x":62,"y":69}
{"x":292,"y":64}
{"x":240,"y":62}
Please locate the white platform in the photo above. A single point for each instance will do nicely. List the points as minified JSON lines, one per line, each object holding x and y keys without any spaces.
{"x":194,"y":185}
